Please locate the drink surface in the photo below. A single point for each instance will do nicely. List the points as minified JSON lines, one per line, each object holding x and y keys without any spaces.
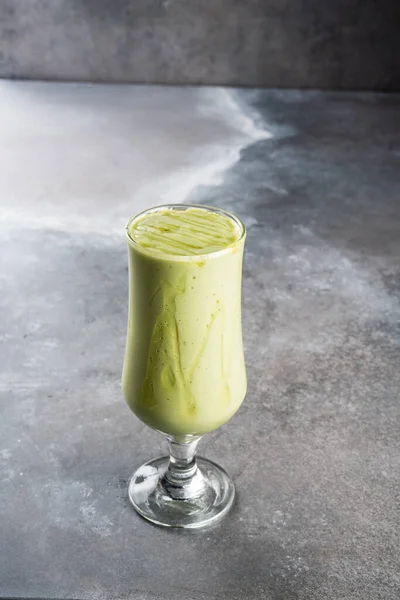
{"x":184,"y":369}
{"x":185,"y":232}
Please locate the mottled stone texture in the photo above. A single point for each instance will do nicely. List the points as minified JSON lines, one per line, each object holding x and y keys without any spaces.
{"x":315,"y":448}
{"x":345,"y":44}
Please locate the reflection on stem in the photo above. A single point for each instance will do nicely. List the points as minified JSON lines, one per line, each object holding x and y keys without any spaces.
{"x":182,"y":478}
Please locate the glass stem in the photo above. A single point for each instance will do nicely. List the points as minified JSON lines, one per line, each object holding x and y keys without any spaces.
{"x":182,"y":479}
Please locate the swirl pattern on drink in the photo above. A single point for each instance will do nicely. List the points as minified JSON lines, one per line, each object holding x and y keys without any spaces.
{"x":184,"y":369}
{"x":185,"y":233}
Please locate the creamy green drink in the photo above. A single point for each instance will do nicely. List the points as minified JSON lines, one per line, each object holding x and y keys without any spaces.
{"x":184,"y":371}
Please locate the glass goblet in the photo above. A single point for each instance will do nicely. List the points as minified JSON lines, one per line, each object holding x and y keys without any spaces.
{"x":184,"y":372}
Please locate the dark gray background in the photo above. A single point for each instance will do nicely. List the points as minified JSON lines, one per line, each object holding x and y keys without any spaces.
{"x":314,"y":450}
{"x":341,"y":44}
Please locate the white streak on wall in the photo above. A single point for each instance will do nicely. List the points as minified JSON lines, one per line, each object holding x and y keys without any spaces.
{"x":80,"y":157}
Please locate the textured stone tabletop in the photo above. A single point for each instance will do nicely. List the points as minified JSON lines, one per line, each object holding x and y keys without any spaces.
{"x":314,"y":450}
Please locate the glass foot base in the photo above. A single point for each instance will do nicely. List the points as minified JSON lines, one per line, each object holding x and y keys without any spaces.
{"x":190,"y":504}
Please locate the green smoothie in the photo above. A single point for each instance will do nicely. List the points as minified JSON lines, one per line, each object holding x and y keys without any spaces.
{"x":184,"y":369}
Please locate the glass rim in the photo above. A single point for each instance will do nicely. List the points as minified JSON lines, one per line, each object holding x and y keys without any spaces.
{"x":184,"y":257}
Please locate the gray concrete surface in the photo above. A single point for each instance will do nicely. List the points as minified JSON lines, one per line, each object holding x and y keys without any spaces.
{"x":283,"y":43}
{"x":314,"y":450}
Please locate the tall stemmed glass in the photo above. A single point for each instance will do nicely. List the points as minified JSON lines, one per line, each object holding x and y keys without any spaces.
{"x":184,"y":373}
